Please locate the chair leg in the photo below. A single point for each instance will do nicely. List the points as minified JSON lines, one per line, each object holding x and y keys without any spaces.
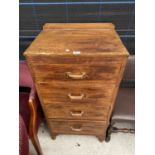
{"x":124,"y":130}
{"x":33,"y":127}
{"x":112,"y":129}
{"x":109,"y":131}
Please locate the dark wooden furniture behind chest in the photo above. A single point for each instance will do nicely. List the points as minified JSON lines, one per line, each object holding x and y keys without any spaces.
{"x":77,"y":69}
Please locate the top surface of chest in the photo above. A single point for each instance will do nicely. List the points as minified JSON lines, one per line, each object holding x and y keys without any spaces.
{"x":77,"y":39}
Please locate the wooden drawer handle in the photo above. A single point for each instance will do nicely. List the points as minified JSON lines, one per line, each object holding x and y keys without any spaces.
{"x":76,"y":113}
{"x":76,"y":76}
{"x":76,"y":129}
{"x":73,"y":97}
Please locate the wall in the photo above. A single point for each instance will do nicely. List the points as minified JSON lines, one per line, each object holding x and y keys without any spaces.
{"x":34,"y":13}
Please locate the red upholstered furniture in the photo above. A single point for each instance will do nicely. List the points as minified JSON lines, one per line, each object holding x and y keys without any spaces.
{"x":29,"y":105}
{"x":124,"y":110}
{"x":23,"y":138}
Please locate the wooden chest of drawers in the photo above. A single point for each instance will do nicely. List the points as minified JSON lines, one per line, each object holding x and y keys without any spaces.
{"x":77,"y":69}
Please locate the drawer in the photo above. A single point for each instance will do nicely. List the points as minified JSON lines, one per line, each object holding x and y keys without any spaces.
{"x":74,"y":92}
{"x":77,"y":127}
{"x":98,"y":102}
{"x":77,"y":112}
{"x":107,"y":72}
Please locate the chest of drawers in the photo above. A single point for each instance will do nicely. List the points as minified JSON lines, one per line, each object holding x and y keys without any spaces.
{"x":77,"y":69}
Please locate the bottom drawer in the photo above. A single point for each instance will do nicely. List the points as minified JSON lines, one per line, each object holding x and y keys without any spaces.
{"x":77,"y":127}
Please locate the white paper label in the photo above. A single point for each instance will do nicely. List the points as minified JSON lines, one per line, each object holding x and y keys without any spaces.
{"x":76,"y":52}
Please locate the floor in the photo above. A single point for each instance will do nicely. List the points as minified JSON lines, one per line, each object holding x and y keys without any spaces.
{"x":120,"y":144}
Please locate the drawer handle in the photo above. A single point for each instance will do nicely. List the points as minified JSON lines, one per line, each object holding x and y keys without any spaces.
{"x":73,"y":97}
{"x":76,"y":113}
{"x":76,"y":76}
{"x":76,"y":129}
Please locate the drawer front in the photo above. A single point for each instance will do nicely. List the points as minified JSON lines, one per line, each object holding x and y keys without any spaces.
{"x":75,"y":92}
{"x":78,"y":127}
{"x":106,"y":72}
{"x":77,"y":112}
{"x":87,"y":102}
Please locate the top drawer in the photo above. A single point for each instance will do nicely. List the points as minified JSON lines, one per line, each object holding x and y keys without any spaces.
{"x":47,"y":72}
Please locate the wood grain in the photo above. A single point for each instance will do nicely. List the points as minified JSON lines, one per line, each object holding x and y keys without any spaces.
{"x":70,"y":126}
{"x":60,"y":91}
{"x":44,"y":59}
{"x":87,"y":41}
{"x":48,"y":72}
{"x":77,"y":112}
{"x":51,"y":26}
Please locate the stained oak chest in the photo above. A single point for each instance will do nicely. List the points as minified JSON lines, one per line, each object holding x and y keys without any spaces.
{"x":77,"y":69}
